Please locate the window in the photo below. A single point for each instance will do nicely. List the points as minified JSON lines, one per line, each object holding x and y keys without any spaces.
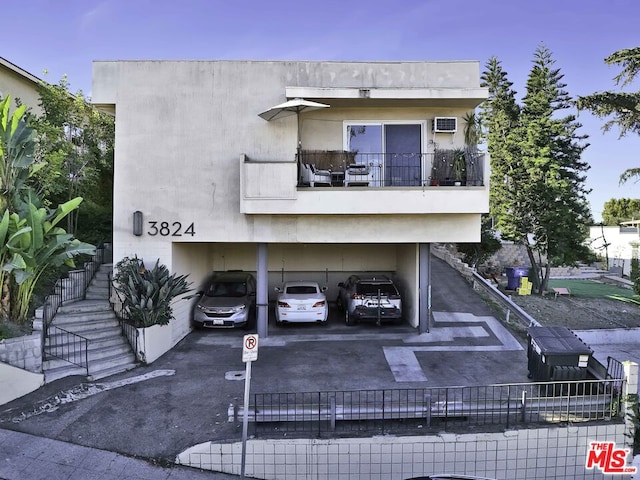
{"x":393,"y":151}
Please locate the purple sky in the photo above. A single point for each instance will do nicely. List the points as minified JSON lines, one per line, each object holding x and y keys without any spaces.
{"x":65,"y":37}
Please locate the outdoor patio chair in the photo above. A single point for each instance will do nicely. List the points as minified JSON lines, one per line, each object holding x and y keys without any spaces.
{"x":357,"y":174}
{"x":312,"y":176}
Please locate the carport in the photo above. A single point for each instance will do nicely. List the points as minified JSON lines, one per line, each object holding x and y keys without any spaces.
{"x":327,"y":264}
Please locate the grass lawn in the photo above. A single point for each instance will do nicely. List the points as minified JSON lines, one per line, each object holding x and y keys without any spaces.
{"x":593,"y":289}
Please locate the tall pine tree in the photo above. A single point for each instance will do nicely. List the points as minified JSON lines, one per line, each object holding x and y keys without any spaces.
{"x":538,"y":176}
{"x":499,"y":116}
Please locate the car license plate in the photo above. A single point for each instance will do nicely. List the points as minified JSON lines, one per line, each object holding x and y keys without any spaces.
{"x":218,"y":322}
{"x":301,"y":307}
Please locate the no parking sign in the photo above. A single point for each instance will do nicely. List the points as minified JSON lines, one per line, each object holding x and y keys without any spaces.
{"x":250,"y":348}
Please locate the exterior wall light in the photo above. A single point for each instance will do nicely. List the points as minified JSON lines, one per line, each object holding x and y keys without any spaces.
{"x":137,"y":223}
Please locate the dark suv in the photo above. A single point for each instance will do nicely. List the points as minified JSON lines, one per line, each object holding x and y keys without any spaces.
{"x":228,"y":301}
{"x":369,"y":298}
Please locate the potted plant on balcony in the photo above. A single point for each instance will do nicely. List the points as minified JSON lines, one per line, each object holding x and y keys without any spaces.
{"x":474,"y":159}
{"x":459,"y":169}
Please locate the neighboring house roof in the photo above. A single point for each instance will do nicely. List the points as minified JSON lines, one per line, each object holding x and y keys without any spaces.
{"x":18,"y":83}
{"x":20,"y":71}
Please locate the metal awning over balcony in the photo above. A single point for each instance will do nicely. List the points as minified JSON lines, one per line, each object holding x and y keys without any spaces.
{"x":416,"y":97}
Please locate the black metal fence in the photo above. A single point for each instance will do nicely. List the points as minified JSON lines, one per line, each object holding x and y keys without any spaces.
{"x":129,"y":331}
{"x":67,"y":346}
{"x":414,"y":411}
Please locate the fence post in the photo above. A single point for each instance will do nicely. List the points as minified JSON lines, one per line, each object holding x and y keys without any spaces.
{"x":630,"y":398}
{"x":508,"y":404}
{"x":524,"y":406}
{"x":332,"y":411}
{"x":427,"y":403}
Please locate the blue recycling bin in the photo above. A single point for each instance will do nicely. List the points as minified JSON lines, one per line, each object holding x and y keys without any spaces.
{"x":514,"y":274}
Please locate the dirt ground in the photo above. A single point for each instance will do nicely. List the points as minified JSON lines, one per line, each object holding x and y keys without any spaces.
{"x":579,"y":313}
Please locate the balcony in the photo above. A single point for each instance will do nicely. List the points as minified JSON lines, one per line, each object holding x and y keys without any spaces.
{"x":337,"y":182}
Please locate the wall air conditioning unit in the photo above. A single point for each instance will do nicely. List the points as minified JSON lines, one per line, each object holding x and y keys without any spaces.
{"x":445,"y":124}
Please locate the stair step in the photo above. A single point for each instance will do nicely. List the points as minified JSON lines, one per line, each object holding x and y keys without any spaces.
{"x":96,"y":334}
{"x":86,"y":318}
{"x":110,"y":353}
{"x":107,"y":372}
{"x":81,"y":306}
{"x":92,"y":294}
{"x":81,"y":327}
{"x":104,"y":290}
{"x":62,"y":372}
{"x":95,"y":344}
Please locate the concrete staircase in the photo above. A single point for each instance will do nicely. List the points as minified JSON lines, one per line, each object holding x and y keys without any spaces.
{"x":108,"y":350}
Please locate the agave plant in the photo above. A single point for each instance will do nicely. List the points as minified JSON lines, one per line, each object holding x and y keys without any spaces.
{"x":146,"y":294}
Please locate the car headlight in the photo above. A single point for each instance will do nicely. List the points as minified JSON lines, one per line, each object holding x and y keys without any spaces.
{"x":238,"y":308}
{"x":200,"y":307}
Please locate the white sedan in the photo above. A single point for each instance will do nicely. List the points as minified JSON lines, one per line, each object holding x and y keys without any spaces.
{"x":301,"y":302}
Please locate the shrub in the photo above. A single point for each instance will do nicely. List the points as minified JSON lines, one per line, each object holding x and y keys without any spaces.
{"x":146,"y":294}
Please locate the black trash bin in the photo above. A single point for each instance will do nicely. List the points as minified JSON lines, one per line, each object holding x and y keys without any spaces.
{"x":514,"y":274}
{"x":556,"y":354}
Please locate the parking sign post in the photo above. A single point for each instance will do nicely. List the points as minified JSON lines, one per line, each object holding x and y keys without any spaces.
{"x":249,"y":354}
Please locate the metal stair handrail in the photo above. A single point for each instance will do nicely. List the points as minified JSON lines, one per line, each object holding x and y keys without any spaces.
{"x":67,"y":289}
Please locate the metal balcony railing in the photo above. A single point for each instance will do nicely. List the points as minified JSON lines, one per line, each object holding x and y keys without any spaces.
{"x":461,"y":167}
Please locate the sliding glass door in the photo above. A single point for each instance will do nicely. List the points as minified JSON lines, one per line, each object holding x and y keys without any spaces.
{"x":392,"y":151}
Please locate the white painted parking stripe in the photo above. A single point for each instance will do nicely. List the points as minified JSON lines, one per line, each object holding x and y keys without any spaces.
{"x":404,"y":364}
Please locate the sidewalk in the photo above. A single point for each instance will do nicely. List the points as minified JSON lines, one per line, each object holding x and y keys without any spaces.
{"x":26,"y":457}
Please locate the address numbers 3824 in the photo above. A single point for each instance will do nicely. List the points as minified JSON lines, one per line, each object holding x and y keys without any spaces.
{"x":170,"y":229}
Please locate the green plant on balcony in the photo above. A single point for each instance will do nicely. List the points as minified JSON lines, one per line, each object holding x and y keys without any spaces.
{"x":459,"y":168}
{"x":146,"y":295}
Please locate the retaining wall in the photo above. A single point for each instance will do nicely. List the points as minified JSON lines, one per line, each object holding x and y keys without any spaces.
{"x":535,"y":453}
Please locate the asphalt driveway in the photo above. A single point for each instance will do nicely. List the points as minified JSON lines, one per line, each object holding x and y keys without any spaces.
{"x":182,"y":399}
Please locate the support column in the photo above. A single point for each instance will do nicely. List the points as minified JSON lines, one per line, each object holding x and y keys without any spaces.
{"x":262,"y":294}
{"x":630,"y":397}
{"x":424,"y":287}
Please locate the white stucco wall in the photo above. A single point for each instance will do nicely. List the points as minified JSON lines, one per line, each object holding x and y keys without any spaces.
{"x":622,"y":242}
{"x":550,"y":453}
{"x":183,"y":128}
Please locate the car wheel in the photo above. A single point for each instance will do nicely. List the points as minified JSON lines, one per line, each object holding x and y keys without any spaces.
{"x":347,"y":318}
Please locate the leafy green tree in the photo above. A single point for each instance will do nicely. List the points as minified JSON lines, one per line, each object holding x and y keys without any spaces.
{"x":621,"y":107}
{"x":477,"y":253}
{"x":618,"y":210}
{"x":540,"y":198}
{"x":30,"y":240}
{"x":76,"y":141}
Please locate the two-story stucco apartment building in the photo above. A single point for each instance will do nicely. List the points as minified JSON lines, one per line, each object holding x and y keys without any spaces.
{"x":219,"y":187}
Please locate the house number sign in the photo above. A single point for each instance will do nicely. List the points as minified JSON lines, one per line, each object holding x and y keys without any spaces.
{"x":169,"y":229}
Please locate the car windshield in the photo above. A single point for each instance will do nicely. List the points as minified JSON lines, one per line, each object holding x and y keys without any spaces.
{"x":373,"y":288}
{"x":301,"y":290}
{"x":227,"y":289}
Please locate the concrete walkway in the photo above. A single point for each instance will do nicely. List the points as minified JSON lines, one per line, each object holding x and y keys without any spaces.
{"x":27,"y":457}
